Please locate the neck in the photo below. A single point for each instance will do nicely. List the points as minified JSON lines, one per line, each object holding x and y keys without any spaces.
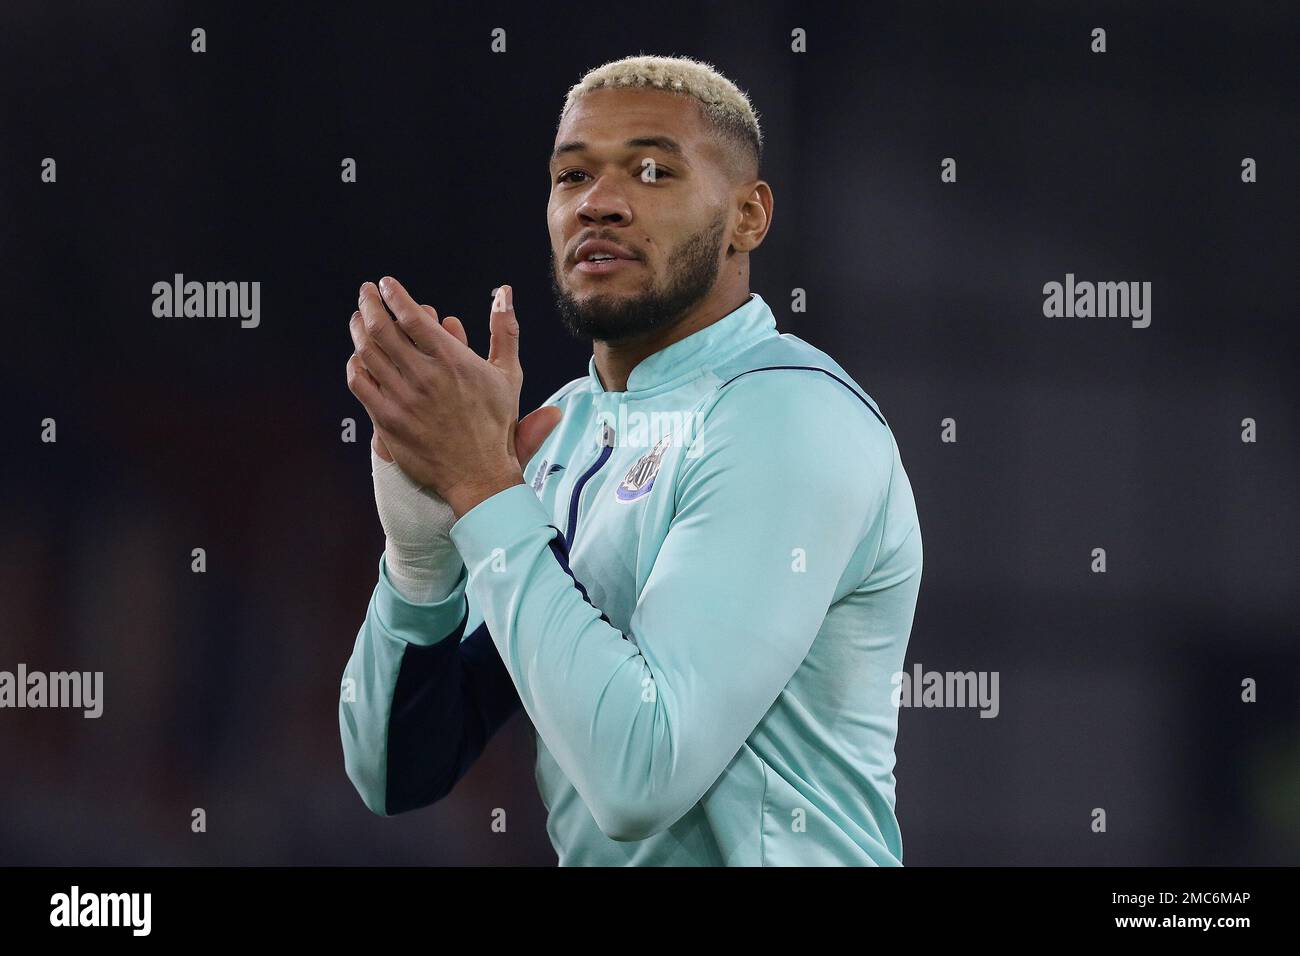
{"x":615,"y":360}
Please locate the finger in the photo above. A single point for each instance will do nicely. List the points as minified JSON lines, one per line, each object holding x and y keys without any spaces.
{"x":363,"y":385}
{"x":451,"y":324}
{"x":457,"y":328}
{"x":373,"y":358}
{"x":423,"y":328}
{"x":383,"y":333}
{"x":504,"y":350}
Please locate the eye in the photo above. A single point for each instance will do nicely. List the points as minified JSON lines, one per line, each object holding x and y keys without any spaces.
{"x":650,"y":174}
{"x":564,"y":176}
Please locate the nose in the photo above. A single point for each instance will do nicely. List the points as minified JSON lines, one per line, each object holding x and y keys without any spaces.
{"x":603,"y":204}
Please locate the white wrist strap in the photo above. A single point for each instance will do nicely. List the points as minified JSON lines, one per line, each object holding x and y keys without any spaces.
{"x":422,"y":562}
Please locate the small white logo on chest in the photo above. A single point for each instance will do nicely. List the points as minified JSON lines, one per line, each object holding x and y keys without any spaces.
{"x":543,"y":472}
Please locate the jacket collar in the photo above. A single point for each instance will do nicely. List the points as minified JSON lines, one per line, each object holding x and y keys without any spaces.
{"x":694,"y":355}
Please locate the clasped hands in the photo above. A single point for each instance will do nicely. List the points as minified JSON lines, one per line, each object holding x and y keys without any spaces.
{"x":448,"y":417}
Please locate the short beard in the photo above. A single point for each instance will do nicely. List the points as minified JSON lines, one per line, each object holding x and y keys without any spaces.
{"x":692,"y":272}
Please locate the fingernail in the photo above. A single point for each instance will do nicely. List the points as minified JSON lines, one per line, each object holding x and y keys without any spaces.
{"x":510,"y":297}
{"x":386,"y":285}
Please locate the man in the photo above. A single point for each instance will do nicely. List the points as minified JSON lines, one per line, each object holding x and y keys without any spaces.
{"x":695,"y":568}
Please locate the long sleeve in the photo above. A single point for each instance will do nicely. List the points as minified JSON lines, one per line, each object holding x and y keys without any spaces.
{"x":789,"y":486}
{"x":420,"y":698}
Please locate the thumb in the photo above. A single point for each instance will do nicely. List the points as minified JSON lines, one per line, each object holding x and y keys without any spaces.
{"x":503,"y":352}
{"x":532,"y":430}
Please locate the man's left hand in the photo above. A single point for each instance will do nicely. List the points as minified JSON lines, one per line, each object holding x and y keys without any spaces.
{"x":447,"y":416}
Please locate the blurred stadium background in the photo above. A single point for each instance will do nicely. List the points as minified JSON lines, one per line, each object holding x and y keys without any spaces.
{"x":1118,"y":690}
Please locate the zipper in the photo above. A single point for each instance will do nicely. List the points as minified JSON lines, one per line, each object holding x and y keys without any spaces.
{"x":607,"y":449}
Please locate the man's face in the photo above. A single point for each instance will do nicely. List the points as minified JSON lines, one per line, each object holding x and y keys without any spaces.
{"x":648,"y":179}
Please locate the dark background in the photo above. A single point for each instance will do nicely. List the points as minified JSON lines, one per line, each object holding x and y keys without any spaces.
{"x":1118,"y":690}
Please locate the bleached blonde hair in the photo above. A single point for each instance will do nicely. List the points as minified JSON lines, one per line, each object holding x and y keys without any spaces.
{"x":725,"y":107}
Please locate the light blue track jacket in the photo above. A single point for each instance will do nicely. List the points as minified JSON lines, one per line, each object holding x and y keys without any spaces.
{"x":699,"y":597}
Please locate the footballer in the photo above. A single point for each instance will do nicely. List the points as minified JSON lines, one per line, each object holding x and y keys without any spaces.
{"x":695,"y":567}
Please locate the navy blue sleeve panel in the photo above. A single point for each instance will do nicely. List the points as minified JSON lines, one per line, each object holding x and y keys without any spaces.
{"x":449,"y":699}
{"x":420,"y":700}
